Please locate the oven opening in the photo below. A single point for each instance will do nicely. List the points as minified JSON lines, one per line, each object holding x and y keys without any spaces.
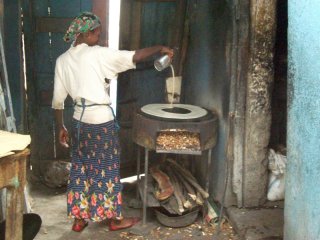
{"x":176,"y":110}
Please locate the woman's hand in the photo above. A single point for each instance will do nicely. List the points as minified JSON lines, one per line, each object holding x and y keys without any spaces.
{"x":63,"y":137}
{"x":168,"y":51}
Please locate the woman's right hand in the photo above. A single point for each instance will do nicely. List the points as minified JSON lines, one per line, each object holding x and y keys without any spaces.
{"x":63,"y":137}
{"x":168,"y":51}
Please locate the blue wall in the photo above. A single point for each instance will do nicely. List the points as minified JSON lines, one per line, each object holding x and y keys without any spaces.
{"x":302,"y":205}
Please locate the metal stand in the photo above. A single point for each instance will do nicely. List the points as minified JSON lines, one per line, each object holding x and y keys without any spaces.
{"x":145,"y":188}
{"x":145,"y":183}
{"x":138,"y":172}
{"x":208,"y":168}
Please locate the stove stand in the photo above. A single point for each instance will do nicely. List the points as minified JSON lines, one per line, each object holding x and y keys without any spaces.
{"x":149,"y":133}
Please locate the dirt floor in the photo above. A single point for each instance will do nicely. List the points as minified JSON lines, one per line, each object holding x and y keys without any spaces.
{"x":50,"y":204}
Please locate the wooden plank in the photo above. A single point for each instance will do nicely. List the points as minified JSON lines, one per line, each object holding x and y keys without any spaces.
{"x":136,"y":25}
{"x":13,"y":177}
{"x":184,"y":47}
{"x":124,"y":31}
{"x":158,"y":23}
{"x":101,"y":9}
{"x":52,"y":24}
{"x":181,"y":31}
{"x":25,"y":152}
{"x":14,"y":215}
{"x":70,"y":8}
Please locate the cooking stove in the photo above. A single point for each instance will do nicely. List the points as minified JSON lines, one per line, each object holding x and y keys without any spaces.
{"x":176,"y":128}
{"x":172,"y":128}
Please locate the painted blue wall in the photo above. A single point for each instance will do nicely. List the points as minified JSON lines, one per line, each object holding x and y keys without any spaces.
{"x":302,"y":205}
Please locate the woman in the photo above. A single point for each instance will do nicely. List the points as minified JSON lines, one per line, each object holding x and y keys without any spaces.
{"x":94,"y":188}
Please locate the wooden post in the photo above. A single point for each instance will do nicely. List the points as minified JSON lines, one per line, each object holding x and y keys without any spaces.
{"x":101,"y":9}
{"x":136,"y":26}
{"x":258,"y":101}
{"x":179,"y":33}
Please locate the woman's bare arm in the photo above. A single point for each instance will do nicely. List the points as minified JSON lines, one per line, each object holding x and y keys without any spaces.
{"x":144,"y":53}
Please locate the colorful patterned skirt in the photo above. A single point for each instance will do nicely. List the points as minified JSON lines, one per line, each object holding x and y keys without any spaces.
{"x":94,"y":188}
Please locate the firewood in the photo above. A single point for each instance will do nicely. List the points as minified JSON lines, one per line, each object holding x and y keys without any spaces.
{"x":171,"y":205}
{"x":165,"y":187}
{"x":189,"y":204}
{"x":177,"y":190}
{"x":189,"y":199}
{"x":199,"y":199}
{"x":189,"y":177}
{"x":190,"y":191}
{"x":182,"y":186}
{"x":184,"y":170}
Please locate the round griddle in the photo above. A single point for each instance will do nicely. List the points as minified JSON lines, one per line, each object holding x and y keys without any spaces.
{"x":176,"y":112}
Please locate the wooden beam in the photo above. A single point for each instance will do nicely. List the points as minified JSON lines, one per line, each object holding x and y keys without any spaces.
{"x":125,"y":18}
{"x":258,"y":100}
{"x":180,"y":35}
{"x":184,"y":47}
{"x":136,"y":26}
{"x":101,"y":9}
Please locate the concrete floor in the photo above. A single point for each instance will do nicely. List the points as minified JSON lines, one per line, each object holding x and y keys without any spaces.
{"x":250,"y":224}
{"x":50,"y":204}
{"x":264,"y":223}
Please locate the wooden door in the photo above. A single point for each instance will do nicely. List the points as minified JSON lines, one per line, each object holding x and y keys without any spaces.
{"x":45,"y":23}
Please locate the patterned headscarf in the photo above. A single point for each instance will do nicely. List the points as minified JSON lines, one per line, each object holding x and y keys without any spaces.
{"x":85,"y":22}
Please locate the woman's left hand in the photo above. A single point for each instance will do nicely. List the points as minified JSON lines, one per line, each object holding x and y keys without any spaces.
{"x":64,"y":137}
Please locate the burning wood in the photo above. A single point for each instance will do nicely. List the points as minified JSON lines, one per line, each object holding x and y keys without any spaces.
{"x":186,"y":191}
{"x":178,"y":139}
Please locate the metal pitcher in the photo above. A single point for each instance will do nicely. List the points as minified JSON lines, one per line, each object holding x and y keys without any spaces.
{"x":162,"y":62}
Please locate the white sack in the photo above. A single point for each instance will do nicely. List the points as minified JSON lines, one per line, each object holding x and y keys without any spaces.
{"x":277,"y":167}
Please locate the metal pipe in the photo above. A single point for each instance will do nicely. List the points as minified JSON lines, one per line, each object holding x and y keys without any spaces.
{"x":138,"y":172}
{"x":144,"y":209}
{"x":208,"y":169}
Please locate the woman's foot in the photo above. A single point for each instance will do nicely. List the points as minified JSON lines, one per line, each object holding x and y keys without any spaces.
{"x":79,"y":225}
{"x":122,"y":224}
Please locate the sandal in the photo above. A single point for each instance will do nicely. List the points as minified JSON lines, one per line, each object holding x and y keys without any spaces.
{"x":122,"y":224}
{"x":79,"y":225}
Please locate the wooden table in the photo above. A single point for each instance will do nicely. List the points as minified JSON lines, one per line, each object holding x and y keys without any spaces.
{"x":13,"y":178}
